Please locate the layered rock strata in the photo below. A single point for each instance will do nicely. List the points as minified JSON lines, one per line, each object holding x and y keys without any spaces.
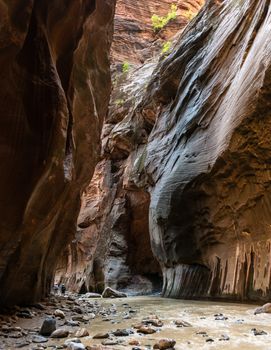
{"x":54,"y":92}
{"x":112,"y":245}
{"x":208,"y":156}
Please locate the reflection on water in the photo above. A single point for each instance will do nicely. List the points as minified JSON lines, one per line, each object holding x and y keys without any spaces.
{"x":200,"y":314}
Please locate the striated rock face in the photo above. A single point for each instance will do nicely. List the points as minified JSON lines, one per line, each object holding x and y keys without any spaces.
{"x":54,"y":91}
{"x":112,"y":245}
{"x":208,"y":156}
{"x":135,"y":40}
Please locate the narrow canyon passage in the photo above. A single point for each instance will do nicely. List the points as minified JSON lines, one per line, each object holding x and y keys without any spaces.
{"x":135,"y":152}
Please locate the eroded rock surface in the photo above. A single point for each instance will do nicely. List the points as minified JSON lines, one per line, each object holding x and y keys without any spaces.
{"x":54,"y":92}
{"x":208,"y":156}
{"x":112,"y":246}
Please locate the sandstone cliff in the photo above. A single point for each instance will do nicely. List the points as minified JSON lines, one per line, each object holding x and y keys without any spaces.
{"x":54,"y":92}
{"x":208,"y":156}
{"x":112,"y":245}
{"x":195,"y":135}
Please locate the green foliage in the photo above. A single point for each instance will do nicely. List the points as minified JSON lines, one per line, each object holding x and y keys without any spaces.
{"x":125,"y":67}
{"x":119,"y":102}
{"x":166,"y":47}
{"x":159,"y":22}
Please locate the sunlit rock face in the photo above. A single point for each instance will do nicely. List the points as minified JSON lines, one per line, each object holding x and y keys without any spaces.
{"x":135,"y":39}
{"x":208,"y":156}
{"x":112,"y":245}
{"x":54,"y":91}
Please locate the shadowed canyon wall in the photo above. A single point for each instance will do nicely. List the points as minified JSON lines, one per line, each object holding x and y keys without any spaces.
{"x":112,"y":245}
{"x":54,"y":91}
{"x":193,"y":131}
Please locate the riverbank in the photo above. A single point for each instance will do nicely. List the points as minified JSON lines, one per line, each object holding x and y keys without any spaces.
{"x":192,"y":324}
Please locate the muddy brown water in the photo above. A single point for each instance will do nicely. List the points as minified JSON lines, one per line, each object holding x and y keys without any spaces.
{"x":200,"y":314}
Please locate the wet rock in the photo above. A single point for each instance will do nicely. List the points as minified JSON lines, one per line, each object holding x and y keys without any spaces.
{"x":146,"y":330}
{"x":110,"y":342}
{"x":59,"y":313}
{"x":221,"y":318}
{"x":123,"y":332}
{"x":71,"y":340}
{"x":22,"y":344}
{"x":266,"y":308}
{"x":164,"y":344}
{"x":101,"y":336}
{"x":78,"y":310}
{"x":24,"y":314}
{"x":181,"y":323}
{"x":60,"y":333}
{"x":112,"y":293}
{"x":258,"y":332}
{"x":209,"y":340}
{"x":39,"y":339}
{"x":224,"y":337}
{"x":83,"y":332}
{"x":72,"y":323}
{"x":76,"y":346}
{"x":154,"y":321}
{"x":48,"y":326}
{"x":134,"y":342}
{"x":91,"y":295}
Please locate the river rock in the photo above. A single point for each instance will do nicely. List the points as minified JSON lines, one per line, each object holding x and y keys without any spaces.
{"x":258,"y":332}
{"x":48,"y":326}
{"x":146,"y":330}
{"x":112,"y":293}
{"x":59,"y":313}
{"x":181,"y":323}
{"x":82,"y":332}
{"x":60,"y":333}
{"x":122,"y":332}
{"x":75,"y":346}
{"x":101,"y":336}
{"x":266,"y":308}
{"x":71,"y":340}
{"x":91,"y":295}
{"x":164,"y":344}
{"x":39,"y":339}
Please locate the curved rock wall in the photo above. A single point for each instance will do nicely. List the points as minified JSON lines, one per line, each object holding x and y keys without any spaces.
{"x":208,"y":156}
{"x":54,"y":91}
{"x":112,"y":245}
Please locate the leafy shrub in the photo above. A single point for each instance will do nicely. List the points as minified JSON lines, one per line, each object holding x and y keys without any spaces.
{"x":125,"y":67}
{"x":166,"y":47}
{"x":159,"y":22}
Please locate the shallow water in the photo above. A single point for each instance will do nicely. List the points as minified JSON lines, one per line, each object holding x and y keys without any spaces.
{"x":199,"y":313}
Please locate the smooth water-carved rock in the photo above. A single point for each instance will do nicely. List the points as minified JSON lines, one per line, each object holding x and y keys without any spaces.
{"x":112,"y":246}
{"x":208,"y":156}
{"x":54,"y":93}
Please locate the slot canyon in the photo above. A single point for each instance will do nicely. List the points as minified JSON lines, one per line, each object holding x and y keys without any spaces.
{"x":136,"y":168}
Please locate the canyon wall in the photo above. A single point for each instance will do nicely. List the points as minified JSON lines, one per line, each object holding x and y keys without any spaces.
{"x":112,"y":245}
{"x":190,"y":128}
{"x":208,"y":155}
{"x":54,"y":92}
